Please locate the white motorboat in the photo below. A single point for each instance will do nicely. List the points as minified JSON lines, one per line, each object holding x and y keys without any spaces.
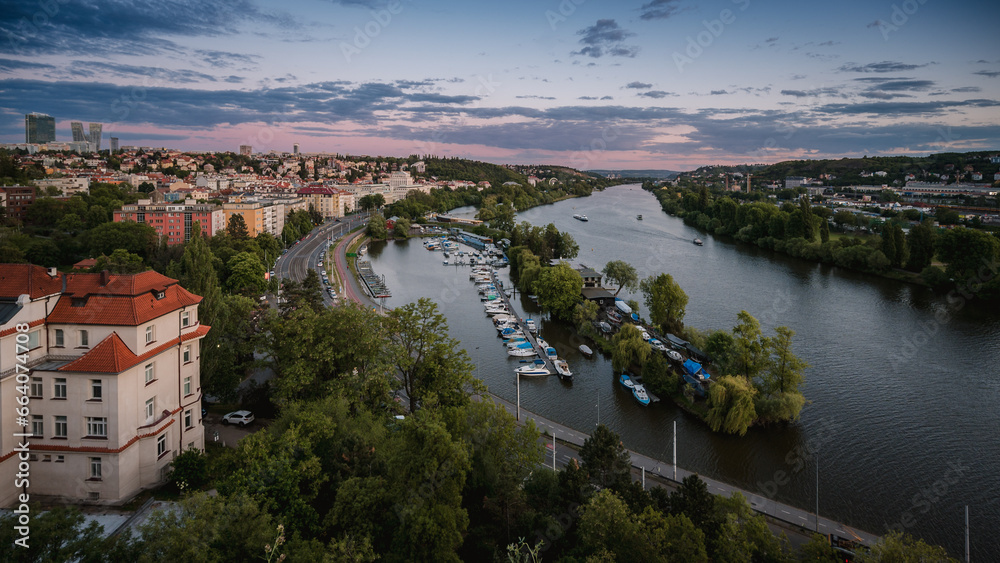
{"x":562,"y":368}
{"x":550,"y":352}
{"x":586,"y":351}
{"x":530,"y":325}
{"x":536,"y":369}
{"x":639,"y":392}
{"x":521,"y":352}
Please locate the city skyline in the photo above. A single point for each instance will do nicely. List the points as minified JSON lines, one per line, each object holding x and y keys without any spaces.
{"x":664,"y":84}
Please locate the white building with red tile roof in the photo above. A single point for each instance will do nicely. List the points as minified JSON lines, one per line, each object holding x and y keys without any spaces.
{"x":109,"y":368}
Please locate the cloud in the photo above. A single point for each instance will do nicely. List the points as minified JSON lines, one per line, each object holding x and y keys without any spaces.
{"x":533,"y":97}
{"x":605,"y":38}
{"x":825,"y":91}
{"x":111,"y":27}
{"x":638,"y":85}
{"x":15,"y":65}
{"x":884,"y":66}
{"x":587,"y":98}
{"x":964,"y":89}
{"x":885,"y":109}
{"x":717,"y":93}
{"x":988,"y":73}
{"x":105,"y":69}
{"x":657,"y":94}
{"x":900,"y":85}
{"x":224,"y":59}
{"x":659,"y":9}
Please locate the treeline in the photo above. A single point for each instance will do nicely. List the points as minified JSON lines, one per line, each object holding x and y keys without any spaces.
{"x":971,"y":257}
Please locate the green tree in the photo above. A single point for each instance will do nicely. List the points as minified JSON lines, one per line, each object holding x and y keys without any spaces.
{"x":430,"y":363}
{"x":666,"y":302}
{"x":824,"y":231}
{"x":903,"y":548}
{"x":137,"y":238}
{"x":628,"y":347}
{"x":246,"y":274}
{"x":377,"y":228}
{"x":622,"y":274}
{"x":744,"y":535}
{"x":779,"y":397}
{"x":121,"y":261}
{"x":237,"y":227}
{"x":808,"y":219}
{"x":605,"y":459}
{"x":969,"y":254}
{"x":402,"y":228}
{"x":921,"y":240}
{"x":731,"y":405}
{"x":270,"y":246}
{"x":584,"y":313}
{"x":189,"y":470}
{"x":558,"y":290}
{"x":58,"y":534}
{"x":749,"y":347}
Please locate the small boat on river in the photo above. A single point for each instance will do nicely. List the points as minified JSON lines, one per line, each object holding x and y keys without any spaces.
{"x":626,"y":381}
{"x":639,"y":392}
{"x":562,"y":369}
{"x":698,"y":242}
{"x":586,"y":351}
{"x":579,"y":217}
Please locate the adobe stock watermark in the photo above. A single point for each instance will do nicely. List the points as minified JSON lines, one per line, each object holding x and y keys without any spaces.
{"x":957,"y":299}
{"x":705,"y":38}
{"x":901,"y":14}
{"x":563,"y":11}
{"x":23,"y":448}
{"x":925,"y":498}
{"x":364,"y":35}
{"x":800,"y":457}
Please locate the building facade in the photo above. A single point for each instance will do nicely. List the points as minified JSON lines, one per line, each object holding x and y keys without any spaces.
{"x":39,"y":128}
{"x":19,"y":198}
{"x":327,"y":201}
{"x":174,"y":220}
{"x":112,"y":373}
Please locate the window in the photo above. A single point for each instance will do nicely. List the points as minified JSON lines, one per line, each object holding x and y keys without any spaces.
{"x":37,"y":428}
{"x":188,"y":422}
{"x":187,"y":385}
{"x":96,"y":390}
{"x":187,"y":354}
{"x":61,"y":427}
{"x":149,"y":373}
{"x":36,"y":387}
{"x":33,"y":339}
{"x":84,"y":339}
{"x":185,"y":318}
{"x":60,"y":339}
{"x":150,"y":408}
{"x":95,"y":468}
{"x":149,"y":334}
{"x":97,"y":427}
{"x":60,"y":458}
{"x":161,"y":445}
{"x":59,"y":390}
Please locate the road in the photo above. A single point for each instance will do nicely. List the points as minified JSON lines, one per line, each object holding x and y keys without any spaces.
{"x":304,"y":254}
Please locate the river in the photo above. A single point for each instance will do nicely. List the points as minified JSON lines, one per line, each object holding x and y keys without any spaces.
{"x":904,"y":385}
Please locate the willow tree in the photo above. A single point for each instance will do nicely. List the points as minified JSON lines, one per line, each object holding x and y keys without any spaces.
{"x":628,"y":347}
{"x":731,"y":405}
{"x":666,"y":301}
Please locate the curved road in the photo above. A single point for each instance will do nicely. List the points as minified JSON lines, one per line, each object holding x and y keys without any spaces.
{"x":304,"y":254}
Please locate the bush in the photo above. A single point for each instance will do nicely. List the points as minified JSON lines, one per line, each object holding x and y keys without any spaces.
{"x":189,"y":470}
{"x":935,"y":277}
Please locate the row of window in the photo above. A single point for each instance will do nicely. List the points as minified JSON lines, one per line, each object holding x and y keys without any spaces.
{"x":83,"y":336}
{"x":96,"y":463}
{"x":97,"y":385}
{"x":96,"y":426}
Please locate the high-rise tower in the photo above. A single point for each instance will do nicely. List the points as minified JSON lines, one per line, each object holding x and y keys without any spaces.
{"x":39,"y":128}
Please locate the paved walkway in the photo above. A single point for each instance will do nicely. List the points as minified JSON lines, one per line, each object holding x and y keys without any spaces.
{"x":352,"y":288}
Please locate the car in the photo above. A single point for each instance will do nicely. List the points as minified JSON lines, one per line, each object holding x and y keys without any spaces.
{"x":243,"y":418}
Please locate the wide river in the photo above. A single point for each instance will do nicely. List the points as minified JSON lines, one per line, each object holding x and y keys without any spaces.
{"x":903,"y":388}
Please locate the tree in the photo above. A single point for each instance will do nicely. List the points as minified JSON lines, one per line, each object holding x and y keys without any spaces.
{"x":189,"y":470}
{"x":808,"y":219}
{"x":968,"y":252}
{"x":121,"y":261}
{"x":744,"y":535}
{"x":584,"y":313}
{"x":731,"y":405}
{"x":622,"y":274}
{"x":605,"y":459}
{"x":921,"y":240}
{"x":402,"y":228}
{"x":377,"y":228}
{"x":903,"y":548}
{"x":558,"y":290}
{"x":430,"y":363}
{"x":779,"y":397}
{"x":844,"y":217}
{"x":137,"y":238}
{"x":628,"y":347}
{"x":246,"y":274}
{"x":749,"y":347}
{"x":666,"y":302}
{"x":824,"y":230}
{"x":237,"y":227}
{"x":58,"y":534}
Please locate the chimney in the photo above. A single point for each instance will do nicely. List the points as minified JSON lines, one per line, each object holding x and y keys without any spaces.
{"x":105,"y":277}
{"x":53,"y":272}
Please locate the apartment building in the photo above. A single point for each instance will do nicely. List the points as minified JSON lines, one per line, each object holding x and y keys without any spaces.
{"x":328,"y":202}
{"x":18,"y":200}
{"x":174,"y":220}
{"x":114,"y":387}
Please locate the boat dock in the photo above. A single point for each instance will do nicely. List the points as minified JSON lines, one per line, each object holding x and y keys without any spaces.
{"x":520,"y":323}
{"x":374,"y":283}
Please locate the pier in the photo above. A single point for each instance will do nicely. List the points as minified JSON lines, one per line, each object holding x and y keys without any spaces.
{"x":373,"y":282}
{"x":520,"y":323}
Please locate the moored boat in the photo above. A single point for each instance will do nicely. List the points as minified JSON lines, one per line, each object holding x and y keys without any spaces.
{"x":586,"y":351}
{"x":538,"y":368}
{"x":626,"y":381}
{"x":562,"y":369}
{"x":521,"y":352}
{"x":639,"y":392}
{"x":531,"y":326}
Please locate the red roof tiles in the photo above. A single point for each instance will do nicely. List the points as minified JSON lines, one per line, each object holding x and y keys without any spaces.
{"x":122,"y":299}
{"x":111,"y":355}
{"x":18,"y":279}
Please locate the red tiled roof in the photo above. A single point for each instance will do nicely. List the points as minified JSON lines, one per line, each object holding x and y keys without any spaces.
{"x":18,"y":279}
{"x":124,"y":300}
{"x":111,"y":355}
{"x":85,"y":264}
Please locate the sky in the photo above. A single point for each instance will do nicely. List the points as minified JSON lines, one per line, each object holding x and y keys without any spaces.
{"x":591,"y":84}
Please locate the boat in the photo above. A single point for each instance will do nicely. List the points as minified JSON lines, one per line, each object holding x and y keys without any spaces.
{"x":530,"y":325}
{"x":542,"y":344}
{"x":445,"y":261}
{"x":673,"y":355}
{"x":585,"y":350}
{"x":605,"y":327}
{"x":614,"y":317}
{"x":550,"y":352}
{"x":491,"y":312}
{"x":536,"y":368}
{"x":639,"y":392}
{"x":519,"y":343}
{"x":698,"y":241}
{"x":639,"y":217}
{"x":626,"y":381}
{"x":521,"y":352}
{"x":657,"y":345}
{"x":579,"y":217}
{"x":562,"y":369}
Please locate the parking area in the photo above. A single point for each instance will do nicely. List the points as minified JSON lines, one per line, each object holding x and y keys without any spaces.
{"x":227,"y":434}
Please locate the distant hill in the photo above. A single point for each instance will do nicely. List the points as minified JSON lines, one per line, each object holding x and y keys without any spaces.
{"x":658,"y":174}
{"x":476,"y":171}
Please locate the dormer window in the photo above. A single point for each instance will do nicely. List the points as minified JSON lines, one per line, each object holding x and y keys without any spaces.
{"x":78,"y":302}
{"x":160,"y":294}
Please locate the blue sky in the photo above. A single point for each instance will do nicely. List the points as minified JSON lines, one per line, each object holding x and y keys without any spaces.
{"x":644,"y":84}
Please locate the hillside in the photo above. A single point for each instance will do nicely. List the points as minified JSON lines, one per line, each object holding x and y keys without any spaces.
{"x":476,"y":171}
